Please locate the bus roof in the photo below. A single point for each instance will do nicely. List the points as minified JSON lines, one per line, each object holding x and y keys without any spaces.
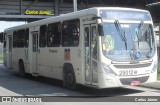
{"x":69,"y":16}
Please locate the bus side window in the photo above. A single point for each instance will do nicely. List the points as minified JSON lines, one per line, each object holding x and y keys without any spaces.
{"x":27,"y":38}
{"x":43,"y":36}
{"x":4,"y":45}
{"x":70,"y":32}
{"x":53,"y":35}
{"x":14,"y":39}
{"x":20,"y":38}
{"x":1,"y":37}
{"x":4,"y":41}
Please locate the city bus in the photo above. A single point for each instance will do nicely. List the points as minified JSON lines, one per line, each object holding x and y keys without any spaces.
{"x":100,"y":47}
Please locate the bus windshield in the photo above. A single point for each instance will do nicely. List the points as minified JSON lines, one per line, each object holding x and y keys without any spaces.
{"x":126,"y":42}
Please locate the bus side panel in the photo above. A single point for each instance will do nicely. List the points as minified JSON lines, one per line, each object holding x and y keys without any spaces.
{"x":76,"y":61}
{"x":8,"y":49}
{"x":50,"y":62}
{"x":17,"y":54}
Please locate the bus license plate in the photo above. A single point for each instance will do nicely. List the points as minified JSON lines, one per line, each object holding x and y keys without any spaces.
{"x":127,"y":72}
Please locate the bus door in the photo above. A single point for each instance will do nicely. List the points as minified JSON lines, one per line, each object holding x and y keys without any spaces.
{"x":91,"y":54}
{"x":9,"y":51}
{"x":34,"y":52}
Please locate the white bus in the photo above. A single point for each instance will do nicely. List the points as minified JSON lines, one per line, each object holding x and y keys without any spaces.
{"x":99,"y":47}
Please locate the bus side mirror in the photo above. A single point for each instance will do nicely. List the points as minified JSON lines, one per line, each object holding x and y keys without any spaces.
{"x":100,"y":26}
{"x":100,"y":30}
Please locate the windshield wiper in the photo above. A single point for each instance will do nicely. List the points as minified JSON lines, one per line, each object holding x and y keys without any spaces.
{"x":121,"y":32}
{"x":139,"y":33}
{"x":140,"y":29}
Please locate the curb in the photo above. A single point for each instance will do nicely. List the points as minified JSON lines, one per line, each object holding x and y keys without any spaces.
{"x":155,"y":85}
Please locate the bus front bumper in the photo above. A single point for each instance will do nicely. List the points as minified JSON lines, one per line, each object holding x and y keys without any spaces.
{"x":108,"y":81}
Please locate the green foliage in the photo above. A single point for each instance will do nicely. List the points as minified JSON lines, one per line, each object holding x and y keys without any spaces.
{"x":158,"y":76}
{"x":1,"y":58}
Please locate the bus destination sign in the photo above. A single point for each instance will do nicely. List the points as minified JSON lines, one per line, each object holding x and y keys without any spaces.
{"x":39,"y":12}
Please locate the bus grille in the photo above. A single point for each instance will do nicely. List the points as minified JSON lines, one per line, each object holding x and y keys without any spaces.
{"x":127,"y":81}
{"x":132,"y":66}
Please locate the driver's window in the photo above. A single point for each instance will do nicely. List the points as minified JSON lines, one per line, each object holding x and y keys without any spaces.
{"x":94,"y":42}
{"x":86,"y":33}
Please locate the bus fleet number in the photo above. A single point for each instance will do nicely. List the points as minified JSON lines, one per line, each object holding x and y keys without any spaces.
{"x":127,"y":72}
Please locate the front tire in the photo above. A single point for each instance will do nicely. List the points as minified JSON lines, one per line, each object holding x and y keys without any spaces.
{"x":69,"y":79}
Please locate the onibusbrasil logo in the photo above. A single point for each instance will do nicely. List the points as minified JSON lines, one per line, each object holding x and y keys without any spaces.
{"x":21,"y":99}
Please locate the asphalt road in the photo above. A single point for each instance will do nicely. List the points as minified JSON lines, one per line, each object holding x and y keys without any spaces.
{"x":13,"y":85}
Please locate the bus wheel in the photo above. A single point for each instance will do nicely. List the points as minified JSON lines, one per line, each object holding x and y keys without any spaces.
{"x":69,"y":80}
{"x":21,"y":69}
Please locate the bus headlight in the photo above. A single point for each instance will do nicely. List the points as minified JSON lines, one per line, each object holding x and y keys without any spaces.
{"x":108,"y":70}
{"x":154,"y":67}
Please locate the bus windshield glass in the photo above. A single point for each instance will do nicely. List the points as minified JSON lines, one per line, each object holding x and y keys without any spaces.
{"x":125,"y":15}
{"x":129,"y":41}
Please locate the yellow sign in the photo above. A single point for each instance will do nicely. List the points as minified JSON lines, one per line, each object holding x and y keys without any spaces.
{"x":38,"y":12}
